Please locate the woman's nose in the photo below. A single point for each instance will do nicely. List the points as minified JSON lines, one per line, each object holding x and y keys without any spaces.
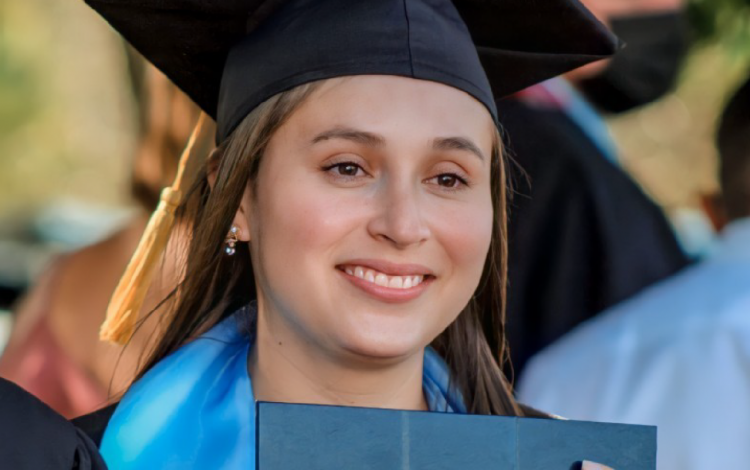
{"x":401,"y":217}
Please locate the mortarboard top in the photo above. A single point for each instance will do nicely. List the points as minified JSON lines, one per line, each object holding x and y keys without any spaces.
{"x":231,"y":55}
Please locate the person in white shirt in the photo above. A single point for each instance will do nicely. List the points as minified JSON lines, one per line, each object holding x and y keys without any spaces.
{"x":677,"y":355}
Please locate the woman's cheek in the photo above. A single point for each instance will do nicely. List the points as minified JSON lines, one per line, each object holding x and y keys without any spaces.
{"x":310,"y":219}
{"x":465,"y":233}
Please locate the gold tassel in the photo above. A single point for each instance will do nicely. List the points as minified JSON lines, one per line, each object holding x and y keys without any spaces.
{"x":127,"y":300}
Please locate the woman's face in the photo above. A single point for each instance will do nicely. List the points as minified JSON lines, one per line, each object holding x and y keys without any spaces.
{"x":372,"y":216}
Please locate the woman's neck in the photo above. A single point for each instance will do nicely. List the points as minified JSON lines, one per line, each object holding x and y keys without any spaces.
{"x":284,"y":369}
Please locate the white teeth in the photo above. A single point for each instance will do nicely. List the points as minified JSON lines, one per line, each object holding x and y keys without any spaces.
{"x":392,"y":282}
{"x":396,"y":282}
{"x":381,"y":280}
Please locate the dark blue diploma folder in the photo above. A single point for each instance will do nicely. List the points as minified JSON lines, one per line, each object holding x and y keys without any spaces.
{"x":314,"y":437}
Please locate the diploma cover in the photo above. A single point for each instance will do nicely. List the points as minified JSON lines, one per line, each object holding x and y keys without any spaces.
{"x":315,"y":437}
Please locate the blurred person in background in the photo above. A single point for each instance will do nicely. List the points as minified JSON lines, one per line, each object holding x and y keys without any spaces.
{"x":678,"y":355}
{"x":583,"y":235}
{"x":54,"y":349}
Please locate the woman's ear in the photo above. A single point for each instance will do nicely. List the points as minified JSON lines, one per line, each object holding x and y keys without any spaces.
{"x":241,"y":219}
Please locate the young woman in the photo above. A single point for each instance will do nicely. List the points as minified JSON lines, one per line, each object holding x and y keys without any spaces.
{"x":348,"y":241}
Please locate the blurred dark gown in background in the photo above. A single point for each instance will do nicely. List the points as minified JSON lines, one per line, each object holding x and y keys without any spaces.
{"x":582,"y":234}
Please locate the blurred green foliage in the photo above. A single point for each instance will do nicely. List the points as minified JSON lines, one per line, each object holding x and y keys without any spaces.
{"x":724,"y":21}
{"x":19,"y":99}
{"x":66,"y":113}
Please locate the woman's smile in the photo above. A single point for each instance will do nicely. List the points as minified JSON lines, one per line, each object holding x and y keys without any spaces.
{"x":387,"y":281}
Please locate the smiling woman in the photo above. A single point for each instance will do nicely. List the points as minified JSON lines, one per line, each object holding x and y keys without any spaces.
{"x":348,"y":234}
{"x":368,"y":236}
{"x":339,"y":218}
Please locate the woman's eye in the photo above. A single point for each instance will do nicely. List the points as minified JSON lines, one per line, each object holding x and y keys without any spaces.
{"x":348,"y":169}
{"x":449,"y":180}
{"x":345,"y":169}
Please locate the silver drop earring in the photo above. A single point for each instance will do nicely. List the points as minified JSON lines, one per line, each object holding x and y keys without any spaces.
{"x":231,"y":241}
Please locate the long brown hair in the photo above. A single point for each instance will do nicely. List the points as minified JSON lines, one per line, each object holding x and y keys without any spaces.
{"x":213,"y":285}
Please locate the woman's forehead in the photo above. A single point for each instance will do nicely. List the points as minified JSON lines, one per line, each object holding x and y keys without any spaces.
{"x":387,"y":104}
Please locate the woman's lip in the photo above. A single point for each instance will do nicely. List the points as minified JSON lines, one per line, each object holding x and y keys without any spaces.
{"x":388,"y":294}
{"x":390,"y":269}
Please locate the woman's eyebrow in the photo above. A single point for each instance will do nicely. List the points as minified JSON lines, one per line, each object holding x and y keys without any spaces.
{"x":375,"y":140}
{"x":354,"y":135}
{"x":457,"y":143}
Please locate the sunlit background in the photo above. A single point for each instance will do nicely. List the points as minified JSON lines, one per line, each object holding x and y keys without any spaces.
{"x":68,"y":123}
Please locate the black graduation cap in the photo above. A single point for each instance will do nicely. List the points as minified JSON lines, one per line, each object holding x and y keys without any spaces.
{"x":231,"y":55}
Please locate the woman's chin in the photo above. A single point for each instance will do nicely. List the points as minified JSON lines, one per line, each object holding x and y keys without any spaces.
{"x":378,"y":336}
{"x":382,"y":348}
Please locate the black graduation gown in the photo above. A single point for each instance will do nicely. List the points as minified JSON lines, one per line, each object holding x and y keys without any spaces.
{"x":582,"y":236}
{"x":34,"y":437}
